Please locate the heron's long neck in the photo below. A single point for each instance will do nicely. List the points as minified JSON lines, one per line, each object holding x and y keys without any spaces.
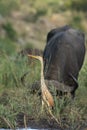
{"x":42,"y":75}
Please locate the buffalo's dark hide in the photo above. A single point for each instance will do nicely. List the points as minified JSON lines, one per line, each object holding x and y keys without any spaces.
{"x":64,"y":55}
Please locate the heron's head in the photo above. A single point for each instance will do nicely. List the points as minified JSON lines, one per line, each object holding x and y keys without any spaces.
{"x":36,"y":57}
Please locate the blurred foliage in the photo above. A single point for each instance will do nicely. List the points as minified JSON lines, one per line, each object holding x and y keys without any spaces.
{"x":42,"y":7}
{"x":7,"y":46}
{"x":10,"y":31}
{"x":59,"y":5}
{"x":6,"y":6}
{"x":41,"y":11}
{"x":33,"y":16}
{"x":79,"y":5}
{"x":83,"y":74}
{"x":76,"y":22}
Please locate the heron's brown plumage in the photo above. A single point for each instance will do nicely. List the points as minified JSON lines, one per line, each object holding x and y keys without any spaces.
{"x":46,"y":95}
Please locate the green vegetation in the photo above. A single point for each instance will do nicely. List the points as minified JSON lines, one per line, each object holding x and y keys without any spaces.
{"x":16,"y":98}
{"x":25,"y":24}
{"x":10,"y":31}
{"x":7,"y":46}
{"x":6,"y":6}
{"x":79,"y":5}
{"x":76,"y":22}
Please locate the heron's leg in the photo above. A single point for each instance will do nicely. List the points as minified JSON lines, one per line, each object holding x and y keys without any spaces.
{"x":42,"y":106}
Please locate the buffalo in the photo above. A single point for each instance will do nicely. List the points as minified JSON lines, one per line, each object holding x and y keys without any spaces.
{"x":63,"y":56}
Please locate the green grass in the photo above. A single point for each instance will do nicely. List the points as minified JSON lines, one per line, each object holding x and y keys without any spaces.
{"x":16,"y":98}
{"x":7,"y":47}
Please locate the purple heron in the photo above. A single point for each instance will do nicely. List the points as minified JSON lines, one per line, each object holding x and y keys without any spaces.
{"x":47,"y":98}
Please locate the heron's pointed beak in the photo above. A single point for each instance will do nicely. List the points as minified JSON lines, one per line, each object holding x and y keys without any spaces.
{"x":33,"y":56}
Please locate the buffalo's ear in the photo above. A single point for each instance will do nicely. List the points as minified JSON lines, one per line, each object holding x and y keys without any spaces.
{"x":51,"y":34}
{"x":57,"y":31}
